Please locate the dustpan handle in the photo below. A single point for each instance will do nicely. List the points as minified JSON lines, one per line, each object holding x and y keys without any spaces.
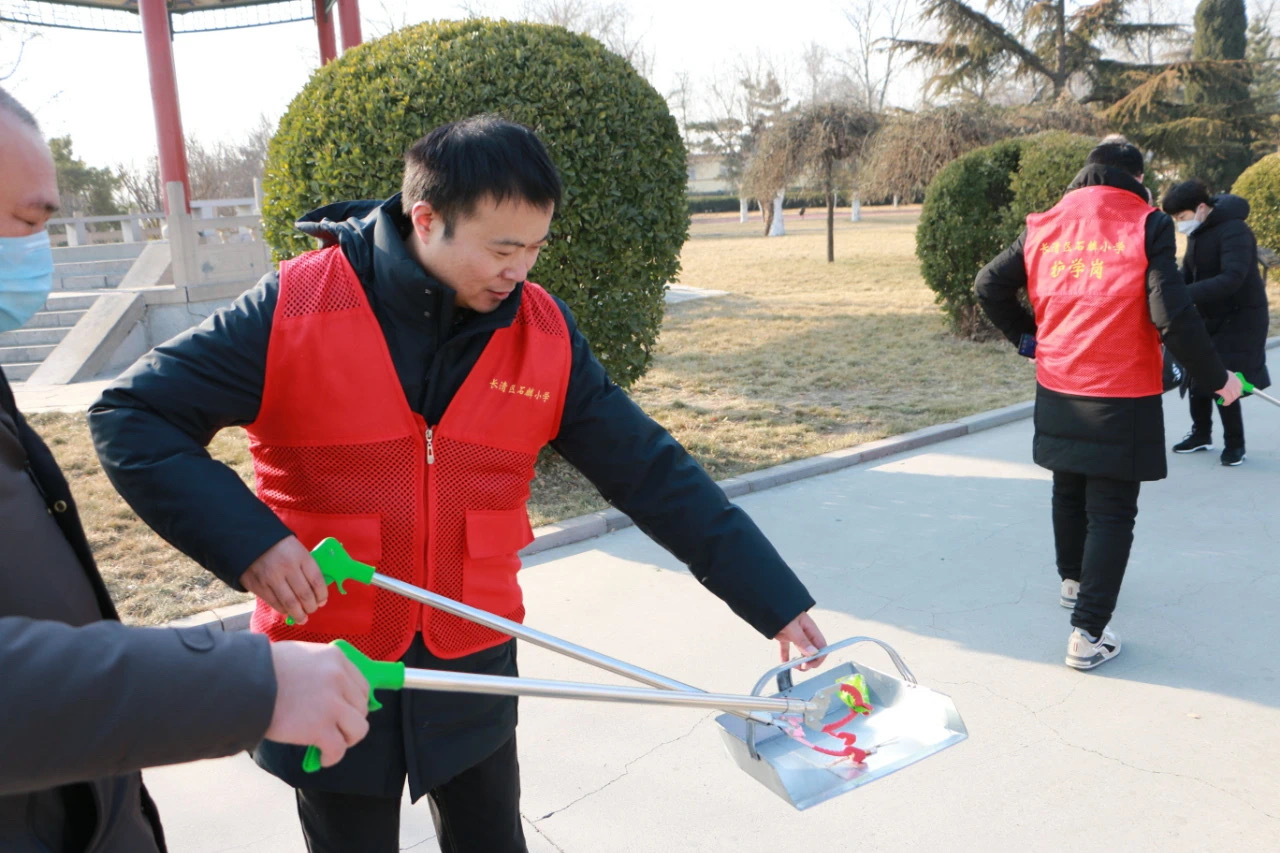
{"x":783,"y":674}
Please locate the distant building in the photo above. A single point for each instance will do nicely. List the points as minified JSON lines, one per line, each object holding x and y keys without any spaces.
{"x":706,"y":173}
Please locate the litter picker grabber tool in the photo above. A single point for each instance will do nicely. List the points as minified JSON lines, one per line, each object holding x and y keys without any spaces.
{"x":1248,"y":388}
{"x":764,"y":734}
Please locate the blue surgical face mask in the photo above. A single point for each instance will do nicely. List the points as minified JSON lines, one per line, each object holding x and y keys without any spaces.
{"x":1186,"y":226}
{"x":26,"y":277}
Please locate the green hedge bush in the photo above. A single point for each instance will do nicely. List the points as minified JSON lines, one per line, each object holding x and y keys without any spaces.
{"x":616,"y":238}
{"x":978,"y":205}
{"x":1260,"y":184}
{"x":962,"y":226}
{"x":719,"y":203}
{"x":1049,"y":162}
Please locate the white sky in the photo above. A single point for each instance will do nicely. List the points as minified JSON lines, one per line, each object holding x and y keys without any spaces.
{"x":94,"y":86}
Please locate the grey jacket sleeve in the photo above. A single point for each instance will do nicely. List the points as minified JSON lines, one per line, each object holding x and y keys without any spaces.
{"x":1172,"y":311}
{"x":105,"y":699}
{"x":997,"y":287}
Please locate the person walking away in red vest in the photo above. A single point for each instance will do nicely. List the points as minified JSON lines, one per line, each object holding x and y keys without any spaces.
{"x":1220,"y":267}
{"x":1100,"y":272}
{"x":397,"y":386}
{"x":86,"y":702}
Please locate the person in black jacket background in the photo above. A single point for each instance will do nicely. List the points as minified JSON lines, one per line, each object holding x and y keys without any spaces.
{"x":1221,"y":270}
{"x":439,"y":292}
{"x":1101,"y":311}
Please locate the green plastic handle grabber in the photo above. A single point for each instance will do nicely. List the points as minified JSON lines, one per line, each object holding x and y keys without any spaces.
{"x":381,"y":675}
{"x":338,"y":567}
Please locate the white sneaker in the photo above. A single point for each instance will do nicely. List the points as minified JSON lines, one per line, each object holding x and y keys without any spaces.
{"x":1083,"y":654}
{"x":1070,"y":591}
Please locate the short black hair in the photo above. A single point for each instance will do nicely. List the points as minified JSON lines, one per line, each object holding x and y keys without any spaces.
{"x":456,"y":165}
{"x":9,"y":104}
{"x":1187,"y":195}
{"x":1119,"y":155}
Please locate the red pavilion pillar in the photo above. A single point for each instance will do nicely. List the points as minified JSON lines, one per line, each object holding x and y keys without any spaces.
{"x":349,"y":13}
{"x":164,"y":95}
{"x":324,"y":29}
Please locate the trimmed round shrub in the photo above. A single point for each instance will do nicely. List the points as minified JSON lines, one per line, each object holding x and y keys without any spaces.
{"x":1260,"y":184}
{"x":617,"y":236}
{"x":978,"y":205}
{"x":1049,"y":162}
{"x":961,"y":228}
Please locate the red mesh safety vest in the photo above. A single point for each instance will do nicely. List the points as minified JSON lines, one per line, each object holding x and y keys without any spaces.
{"x":1086,"y":265}
{"x":338,"y":452}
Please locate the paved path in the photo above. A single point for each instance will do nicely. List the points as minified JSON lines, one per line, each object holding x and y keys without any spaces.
{"x":945,"y":553}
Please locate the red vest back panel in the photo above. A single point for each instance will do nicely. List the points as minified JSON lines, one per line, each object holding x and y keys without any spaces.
{"x":338,"y":452}
{"x":1086,"y":264}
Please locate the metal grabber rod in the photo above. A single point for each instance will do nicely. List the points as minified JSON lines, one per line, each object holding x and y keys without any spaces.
{"x":338,"y":567}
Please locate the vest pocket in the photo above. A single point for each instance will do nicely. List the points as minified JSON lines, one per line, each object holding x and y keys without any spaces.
{"x":343,"y":615}
{"x":490,"y":561}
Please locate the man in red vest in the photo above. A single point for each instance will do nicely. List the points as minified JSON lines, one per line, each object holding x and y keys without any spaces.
{"x":1100,"y":272}
{"x":397,"y":386}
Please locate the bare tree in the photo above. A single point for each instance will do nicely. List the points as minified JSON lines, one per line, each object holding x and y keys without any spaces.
{"x":815,"y":69}
{"x":810,"y":142}
{"x":873,"y":59}
{"x":388,"y":20}
{"x":743,"y":105}
{"x":1150,"y":47}
{"x":13,"y":43}
{"x":610,"y":23}
{"x":216,"y":170}
{"x":681,"y":100}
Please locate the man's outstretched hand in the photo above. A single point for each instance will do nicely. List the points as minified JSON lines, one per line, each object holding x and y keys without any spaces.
{"x":802,"y":633}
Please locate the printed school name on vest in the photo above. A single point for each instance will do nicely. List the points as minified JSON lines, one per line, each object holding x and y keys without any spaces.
{"x":519,"y":390}
{"x":1076,"y":266}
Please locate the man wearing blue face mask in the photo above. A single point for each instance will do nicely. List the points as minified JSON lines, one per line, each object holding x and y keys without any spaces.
{"x":85,"y":701}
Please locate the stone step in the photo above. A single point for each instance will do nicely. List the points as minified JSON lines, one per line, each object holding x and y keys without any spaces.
{"x":109,"y":267}
{"x":80,"y":282}
{"x":19,"y":355}
{"x":19,"y":372}
{"x":70,"y":301}
{"x":28,"y":336}
{"x":54,"y":319}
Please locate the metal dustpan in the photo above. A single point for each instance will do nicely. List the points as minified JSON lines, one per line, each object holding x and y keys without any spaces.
{"x":908,"y":723}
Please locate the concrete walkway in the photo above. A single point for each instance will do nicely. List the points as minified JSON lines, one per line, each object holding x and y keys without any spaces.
{"x":945,"y":553}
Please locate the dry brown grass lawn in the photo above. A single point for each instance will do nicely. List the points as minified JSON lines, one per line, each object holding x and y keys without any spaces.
{"x":801,"y":357}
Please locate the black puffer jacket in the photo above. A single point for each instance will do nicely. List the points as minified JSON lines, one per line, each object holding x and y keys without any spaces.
{"x":1221,"y":270}
{"x":1117,"y":437}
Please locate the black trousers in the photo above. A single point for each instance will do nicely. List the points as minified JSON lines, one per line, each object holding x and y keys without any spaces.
{"x":1093,"y":531}
{"x":1232,"y":419}
{"x":477,"y":811}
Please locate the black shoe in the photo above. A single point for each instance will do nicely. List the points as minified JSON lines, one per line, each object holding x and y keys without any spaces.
{"x":1232,"y":456}
{"x":1193,"y":442}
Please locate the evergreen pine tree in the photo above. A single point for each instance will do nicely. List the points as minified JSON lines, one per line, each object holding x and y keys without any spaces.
{"x":1221,"y":34}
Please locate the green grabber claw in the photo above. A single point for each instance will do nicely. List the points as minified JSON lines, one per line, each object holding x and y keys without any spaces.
{"x":337,"y":567}
{"x":1246,"y":387}
{"x":381,"y":675}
